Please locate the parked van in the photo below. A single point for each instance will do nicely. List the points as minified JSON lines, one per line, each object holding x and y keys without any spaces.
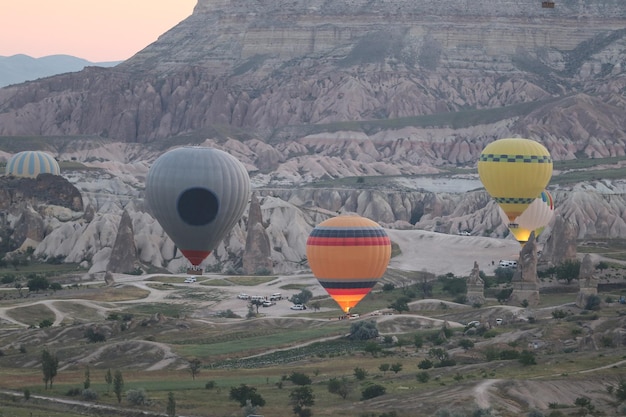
{"x":508,"y":264}
{"x":276,"y":296}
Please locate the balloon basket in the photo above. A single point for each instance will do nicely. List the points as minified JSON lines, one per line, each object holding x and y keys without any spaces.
{"x":194,"y":271}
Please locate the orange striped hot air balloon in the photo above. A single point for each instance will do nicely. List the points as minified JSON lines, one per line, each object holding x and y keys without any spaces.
{"x":348,"y":255}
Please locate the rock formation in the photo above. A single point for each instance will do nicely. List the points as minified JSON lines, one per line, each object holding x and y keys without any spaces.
{"x":587,"y":282}
{"x":273,"y":69}
{"x":257,"y":257}
{"x":46,"y":189}
{"x":274,"y":83}
{"x":29,"y":229}
{"x":561,"y":245}
{"x":475,"y":287}
{"x":525,"y":281}
{"x":124,"y":257}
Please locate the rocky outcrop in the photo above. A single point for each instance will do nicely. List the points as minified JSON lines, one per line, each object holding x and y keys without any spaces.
{"x":29,"y":229}
{"x":587,"y":281}
{"x":123,"y":258}
{"x":46,"y":189}
{"x":525,"y":281}
{"x":561,"y":245}
{"x":283,"y":71}
{"x":257,"y":257}
{"x":475,"y":287}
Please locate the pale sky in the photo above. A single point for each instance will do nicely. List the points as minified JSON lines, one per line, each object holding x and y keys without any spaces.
{"x":95,"y":30}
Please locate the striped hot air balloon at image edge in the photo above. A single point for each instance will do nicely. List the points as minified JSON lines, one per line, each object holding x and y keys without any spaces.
{"x":348,"y":255}
{"x":29,"y":164}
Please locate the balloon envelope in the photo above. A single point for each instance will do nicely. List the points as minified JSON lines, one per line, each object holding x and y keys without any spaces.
{"x":514,"y":172}
{"x":537,"y":216}
{"x":29,"y":164}
{"x":197,"y":195}
{"x":348,"y":255}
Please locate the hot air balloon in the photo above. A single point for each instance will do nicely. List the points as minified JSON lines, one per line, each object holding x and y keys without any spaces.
{"x":348,"y":255}
{"x":197,"y":195}
{"x":514,"y":172}
{"x":534,"y":218}
{"x":29,"y":164}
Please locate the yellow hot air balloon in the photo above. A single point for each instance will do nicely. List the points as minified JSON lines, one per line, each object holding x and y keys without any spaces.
{"x":514,"y":171}
{"x":534,"y":218}
{"x":348,"y":255}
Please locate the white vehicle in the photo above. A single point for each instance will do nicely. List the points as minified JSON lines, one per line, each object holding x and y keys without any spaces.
{"x":276,"y":296}
{"x":268,"y":303}
{"x":298,"y":307}
{"x":189,"y":280}
{"x":464,"y":233}
{"x":243,"y":296}
{"x":499,"y":322}
{"x":507,"y":264}
{"x":473,"y":323}
{"x":354,"y":316}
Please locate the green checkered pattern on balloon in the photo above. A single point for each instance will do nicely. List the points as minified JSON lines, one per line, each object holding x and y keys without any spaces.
{"x":535,"y":159}
{"x":513,"y":200}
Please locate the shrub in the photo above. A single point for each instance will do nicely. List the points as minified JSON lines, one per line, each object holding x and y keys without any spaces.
{"x":299,"y":378}
{"x":89,"y":395}
{"x":45,"y":323}
{"x":509,"y":354}
{"x":503,"y":275}
{"x":94,"y":336}
{"x":425,"y":364}
{"x":363,"y":330}
{"x":593,"y":303}
{"x":360,"y":373}
{"x":527,"y":358}
{"x":137,"y":397}
{"x":373,"y":391}
{"x":423,"y":377}
{"x":210,"y":385}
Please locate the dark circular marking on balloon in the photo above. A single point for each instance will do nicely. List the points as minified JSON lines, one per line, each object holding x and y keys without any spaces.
{"x":198,"y":206}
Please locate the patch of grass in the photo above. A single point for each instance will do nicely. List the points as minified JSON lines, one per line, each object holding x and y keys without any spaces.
{"x":552,"y":299}
{"x":167,"y":309}
{"x":167,"y":279}
{"x":293,"y":286}
{"x":217,"y":282}
{"x":32,"y":314}
{"x":584,"y":163}
{"x":115,"y":294}
{"x":455,"y":120}
{"x":260,"y":342}
{"x":49,"y":270}
{"x":573,"y":177}
{"x":250,"y":280}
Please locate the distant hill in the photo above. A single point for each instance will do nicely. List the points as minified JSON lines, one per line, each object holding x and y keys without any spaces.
{"x":19,"y":68}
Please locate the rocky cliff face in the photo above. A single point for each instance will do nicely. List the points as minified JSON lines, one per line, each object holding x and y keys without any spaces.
{"x":274,"y":69}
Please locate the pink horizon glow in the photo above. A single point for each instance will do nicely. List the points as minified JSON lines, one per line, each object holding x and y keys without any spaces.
{"x":98,"y":31}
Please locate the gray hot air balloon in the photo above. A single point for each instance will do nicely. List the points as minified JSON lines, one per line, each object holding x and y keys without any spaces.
{"x":197,"y":195}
